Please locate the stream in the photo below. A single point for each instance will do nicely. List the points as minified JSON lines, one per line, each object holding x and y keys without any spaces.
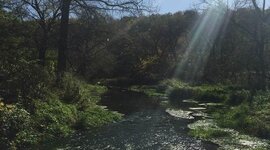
{"x":146,"y":125}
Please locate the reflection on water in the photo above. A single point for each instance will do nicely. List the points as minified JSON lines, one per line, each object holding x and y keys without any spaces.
{"x":145,"y":126}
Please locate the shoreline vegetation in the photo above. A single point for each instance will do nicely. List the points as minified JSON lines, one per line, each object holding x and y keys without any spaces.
{"x":65,"y":109}
{"x":58,"y":58}
{"x":40,"y":110}
{"x":229,"y":116}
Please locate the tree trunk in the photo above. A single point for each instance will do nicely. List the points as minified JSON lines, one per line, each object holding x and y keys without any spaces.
{"x":62,"y":49}
{"x":262,"y":67}
{"x":43,"y":48}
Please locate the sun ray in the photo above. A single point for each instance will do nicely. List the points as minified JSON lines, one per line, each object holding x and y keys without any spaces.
{"x":201,"y":39}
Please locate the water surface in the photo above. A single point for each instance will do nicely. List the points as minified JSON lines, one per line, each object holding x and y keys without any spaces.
{"x":145,"y":125}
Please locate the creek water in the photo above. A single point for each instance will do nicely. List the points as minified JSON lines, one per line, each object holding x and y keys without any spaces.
{"x":146,"y":125}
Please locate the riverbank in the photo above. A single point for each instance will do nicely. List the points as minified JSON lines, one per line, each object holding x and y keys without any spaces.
{"x":238,"y":118}
{"x":226,"y":115}
{"x":64,"y":109}
{"x":145,"y":125}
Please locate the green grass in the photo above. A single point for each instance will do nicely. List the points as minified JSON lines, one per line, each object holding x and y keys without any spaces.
{"x":204,"y":93}
{"x":207,"y":133}
{"x":251,"y":118}
{"x":65,"y":109}
{"x":244,"y":112}
{"x":151,"y":91}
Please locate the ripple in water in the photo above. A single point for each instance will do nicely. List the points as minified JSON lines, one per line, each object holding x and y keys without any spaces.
{"x":148,"y":128}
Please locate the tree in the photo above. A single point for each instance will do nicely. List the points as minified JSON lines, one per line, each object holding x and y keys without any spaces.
{"x":44,"y":12}
{"x":65,"y":8}
{"x":261,"y":37}
{"x":130,"y":6}
{"x":256,"y":27}
{"x":252,"y":19}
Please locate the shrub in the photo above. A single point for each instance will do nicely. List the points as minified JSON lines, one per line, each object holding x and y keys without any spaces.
{"x":71,"y":89}
{"x":210,"y":96}
{"x":55,"y":118}
{"x":252,"y":119}
{"x":96,"y":117}
{"x":173,"y":83}
{"x":238,"y":97}
{"x":211,"y":93}
{"x":71,"y":93}
{"x":261,"y":99}
{"x":208,"y":93}
{"x":178,"y":94}
{"x":207,"y":133}
{"x":236,"y":117}
{"x":258,"y":126}
{"x":15,"y":127}
{"x":25,"y":80}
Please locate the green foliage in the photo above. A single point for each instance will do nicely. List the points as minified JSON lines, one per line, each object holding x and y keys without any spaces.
{"x":56,"y":113}
{"x":250,"y":114}
{"x":258,"y":124}
{"x":22,"y":79}
{"x":173,"y":83}
{"x":211,"y":94}
{"x":152,"y":91}
{"x":261,"y":99}
{"x":238,"y":97}
{"x":207,"y":133}
{"x":71,"y":88}
{"x":236,"y":118}
{"x":254,"y":121}
{"x":146,"y":49}
{"x":207,"y":93}
{"x":55,"y":118}
{"x":16,"y":128}
{"x":179,"y":94}
{"x":96,"y":117}
{"x":25,"y":79}
{"x":260,"y":115}
{"x":78,"y":92}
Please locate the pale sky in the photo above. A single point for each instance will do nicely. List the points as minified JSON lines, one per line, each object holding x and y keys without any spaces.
{"x":172,"y":6}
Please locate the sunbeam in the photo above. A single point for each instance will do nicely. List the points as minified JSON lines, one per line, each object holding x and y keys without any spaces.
{"x":201,"y":39}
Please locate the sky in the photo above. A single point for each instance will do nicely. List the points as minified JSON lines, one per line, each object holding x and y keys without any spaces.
{"x":172,"y":6}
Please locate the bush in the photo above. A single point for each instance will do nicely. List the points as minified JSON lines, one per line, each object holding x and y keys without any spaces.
{"x":179,"y":94}
{"x":25,"y":80}
{"x":261,"y":99}
{"x":96,"y":117}
{"x":210,"y":96}
{"x":15,"y":127}
{"x":238,"y":97}
{"x":71,"y":89}
{"x":173,"y":83}
{"x":200,"y":93}
{"x":258,"y":126}
{"x":252,"y":118}
{"x":236,"y":117}
{"x":207,"y":133}
{"x":55,"y":118}
{"x":71,"y":93}
{"x":78,"y":91}
{"x":211,"y":93}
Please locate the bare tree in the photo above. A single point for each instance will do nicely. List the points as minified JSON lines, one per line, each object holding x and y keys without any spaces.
{"x":257,"y":33}
{"x":261,"y":39}
{"x":121,"y":6}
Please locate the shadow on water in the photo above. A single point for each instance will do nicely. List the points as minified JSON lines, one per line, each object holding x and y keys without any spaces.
{"x":128,"y":102}
{"x":146,"y":125}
